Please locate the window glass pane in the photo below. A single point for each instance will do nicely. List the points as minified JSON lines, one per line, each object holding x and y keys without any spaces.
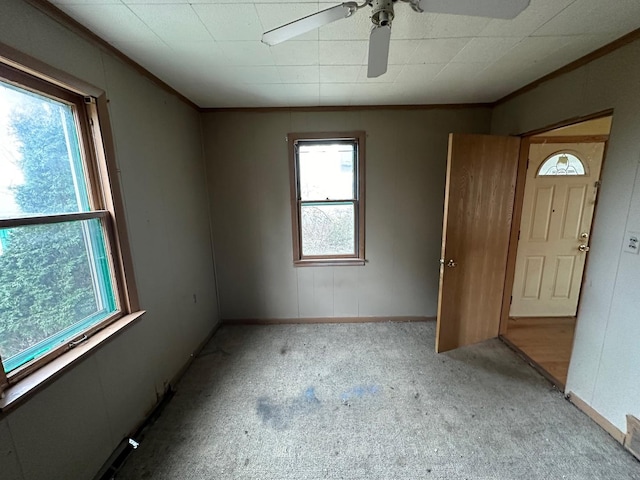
{"x":562,"y":164}
{"x":328,"y":229}
{"x":40,"y":163}
{"x":54,"y":283}
{"x":326,"y":171}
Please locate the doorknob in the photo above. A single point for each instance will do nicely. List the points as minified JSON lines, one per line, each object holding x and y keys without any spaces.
{"x":583,"y":248}
{"x":451,"y":264}
{"x":584,"y":235}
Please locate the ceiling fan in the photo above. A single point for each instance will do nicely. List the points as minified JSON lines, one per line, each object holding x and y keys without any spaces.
{"x":382,"y":15}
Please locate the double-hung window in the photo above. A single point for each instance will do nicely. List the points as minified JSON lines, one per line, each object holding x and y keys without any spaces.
{"x":62,"y":276}
{"x":327,"y":198}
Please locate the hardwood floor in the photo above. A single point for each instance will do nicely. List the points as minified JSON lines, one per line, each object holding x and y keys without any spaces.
{"x":545,"y":341}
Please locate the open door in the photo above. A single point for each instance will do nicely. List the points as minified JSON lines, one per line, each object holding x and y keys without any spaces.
{"x":479,"y":195}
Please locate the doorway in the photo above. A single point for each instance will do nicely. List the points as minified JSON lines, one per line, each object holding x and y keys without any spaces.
{"x":553,"y":242}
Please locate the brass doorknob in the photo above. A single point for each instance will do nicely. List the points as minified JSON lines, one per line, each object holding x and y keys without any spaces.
{"x":451,"y":264}
{"x":583,"y":248}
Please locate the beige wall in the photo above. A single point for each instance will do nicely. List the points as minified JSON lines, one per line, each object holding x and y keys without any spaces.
{"x":70,"y":428}
{"x":605,"y":365}
{"x":67,"y":430}
{"x":405,"y":170}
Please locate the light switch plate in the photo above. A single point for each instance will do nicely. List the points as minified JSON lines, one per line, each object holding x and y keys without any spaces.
{"x":632,"y":242}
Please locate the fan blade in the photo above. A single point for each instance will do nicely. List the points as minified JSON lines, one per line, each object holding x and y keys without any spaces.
{"x":378,"y":50}
{"x":308,"y":23}
{"x":505,"y":9}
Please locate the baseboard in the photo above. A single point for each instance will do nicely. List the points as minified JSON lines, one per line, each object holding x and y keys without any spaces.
{"x":294,"y":321}
{"x":632,"y":439}
{"x":605,"y":424}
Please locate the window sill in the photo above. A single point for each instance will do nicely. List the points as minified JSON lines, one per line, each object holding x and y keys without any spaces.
{"x":335,"y":262}
{"x":23,"y":389}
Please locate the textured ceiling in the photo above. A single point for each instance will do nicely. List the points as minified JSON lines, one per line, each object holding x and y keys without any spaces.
{"x":210,"y":50}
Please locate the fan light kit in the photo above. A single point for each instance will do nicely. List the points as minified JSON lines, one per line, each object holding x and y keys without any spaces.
{"x":382,"y":15}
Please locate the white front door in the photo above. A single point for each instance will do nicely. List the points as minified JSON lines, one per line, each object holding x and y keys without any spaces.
{"x":560,"y":193}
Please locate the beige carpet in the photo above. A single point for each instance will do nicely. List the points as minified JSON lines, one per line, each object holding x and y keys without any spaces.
{"x":368,"y":401}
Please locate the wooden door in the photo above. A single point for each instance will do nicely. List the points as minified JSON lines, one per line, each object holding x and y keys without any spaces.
{"x":557,"y":211}
{"x":479,"y":194}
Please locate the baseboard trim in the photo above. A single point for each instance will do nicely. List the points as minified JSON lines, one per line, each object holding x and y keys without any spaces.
{"x":632,"y":438}
{"x":605,"y":424}
{"x":312,"y":320}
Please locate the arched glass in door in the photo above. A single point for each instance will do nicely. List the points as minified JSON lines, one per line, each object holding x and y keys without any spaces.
{"x":562,"y":163}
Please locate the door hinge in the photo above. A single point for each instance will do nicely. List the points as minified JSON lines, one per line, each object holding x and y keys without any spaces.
{"x":528,"y":162}
{"x":597,"y":184}
{"x":511,"y":300}
{"x":518,"y":234}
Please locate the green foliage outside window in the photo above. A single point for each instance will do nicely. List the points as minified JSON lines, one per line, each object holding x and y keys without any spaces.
{"x":43,"y":269}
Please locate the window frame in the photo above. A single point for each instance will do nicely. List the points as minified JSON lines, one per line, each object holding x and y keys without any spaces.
{"x":358,"y":138}
{"x":90,"y":110}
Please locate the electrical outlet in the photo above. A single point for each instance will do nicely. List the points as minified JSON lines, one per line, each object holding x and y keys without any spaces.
{"x":632,"y":242}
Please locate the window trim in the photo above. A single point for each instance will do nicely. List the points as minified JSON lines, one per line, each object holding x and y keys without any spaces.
{"x":359,"y":137}
{"x":96,"y":143}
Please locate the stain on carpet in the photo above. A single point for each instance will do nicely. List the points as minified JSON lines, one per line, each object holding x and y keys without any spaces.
{"x":359,"y":391}
{"x":281,"y":414}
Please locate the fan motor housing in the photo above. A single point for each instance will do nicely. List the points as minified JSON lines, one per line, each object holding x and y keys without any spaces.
{"x":382,"y":13}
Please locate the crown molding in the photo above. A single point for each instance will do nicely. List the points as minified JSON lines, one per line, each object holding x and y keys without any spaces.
{"x":339,"y":108}
{"x":65,"y":20}
{"x":580,"y":62}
